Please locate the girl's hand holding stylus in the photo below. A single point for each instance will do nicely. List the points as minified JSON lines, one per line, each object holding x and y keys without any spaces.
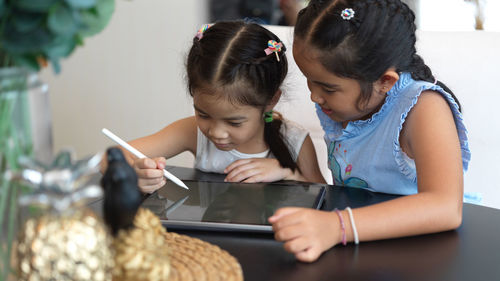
{"x":304,"y":231}
{"x":150,"y":173}
{"x":256,"y":170}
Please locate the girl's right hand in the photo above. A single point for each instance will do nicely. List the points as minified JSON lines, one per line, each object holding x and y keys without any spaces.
{"x":150,"y":173}
{"x":306,"y":233}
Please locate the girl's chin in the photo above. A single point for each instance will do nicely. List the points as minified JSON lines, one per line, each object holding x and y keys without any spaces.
{"x":335,"y":118}
{"x":330,"y":114}
{"x":224,"y":147}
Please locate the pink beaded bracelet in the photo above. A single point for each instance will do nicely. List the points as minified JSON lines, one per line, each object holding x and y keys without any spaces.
{"x":342,"y":225}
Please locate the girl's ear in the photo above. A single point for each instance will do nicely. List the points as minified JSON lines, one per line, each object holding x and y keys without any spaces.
{"x":387,"y":80}
{"x":273,"y":101}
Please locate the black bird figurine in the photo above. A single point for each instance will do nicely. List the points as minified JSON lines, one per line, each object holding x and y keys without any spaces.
{"x":121,"y":193}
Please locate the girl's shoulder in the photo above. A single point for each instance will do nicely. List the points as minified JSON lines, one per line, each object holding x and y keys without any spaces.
{"x":434,"y":113}
{"x":291,"y":127}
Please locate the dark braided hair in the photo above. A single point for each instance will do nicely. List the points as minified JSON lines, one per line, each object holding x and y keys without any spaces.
{"x":381,"y":35}
{"x":230,"y":60}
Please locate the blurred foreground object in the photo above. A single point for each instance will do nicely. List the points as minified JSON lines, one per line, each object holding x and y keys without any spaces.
{"x":479,"y":5}
{"x":142,"y":253}
{"x":35,"y":32}
{"x":121,"y":193}
{"x":61,"y":238}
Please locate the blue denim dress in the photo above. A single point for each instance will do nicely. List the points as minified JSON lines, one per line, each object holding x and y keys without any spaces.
{"x":367,"y":153}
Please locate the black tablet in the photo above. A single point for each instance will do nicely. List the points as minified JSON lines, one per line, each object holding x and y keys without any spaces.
{"x":229,"y":206}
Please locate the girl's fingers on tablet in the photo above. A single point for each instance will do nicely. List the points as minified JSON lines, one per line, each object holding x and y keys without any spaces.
{"x":241,"y":172}
{"x":253,"y":179}
{"x":282,"y":212}
{"x":235,"y":164}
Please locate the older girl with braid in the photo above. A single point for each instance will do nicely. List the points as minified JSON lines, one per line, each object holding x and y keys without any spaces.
{"x":234,"y":73}
{"x":390,"y":126}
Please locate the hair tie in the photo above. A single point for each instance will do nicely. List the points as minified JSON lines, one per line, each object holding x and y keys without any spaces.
{"x":203,"y":28}
{"x":347,"y":13}
{"x":273,"y":47}
{"x":268,"y":116}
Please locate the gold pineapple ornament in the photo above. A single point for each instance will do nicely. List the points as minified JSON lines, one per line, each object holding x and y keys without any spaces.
{"x":66,"y":241}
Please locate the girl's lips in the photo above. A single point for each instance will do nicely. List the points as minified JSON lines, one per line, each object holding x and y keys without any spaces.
{"x":326,"y":111}
{"x":222,"y":145}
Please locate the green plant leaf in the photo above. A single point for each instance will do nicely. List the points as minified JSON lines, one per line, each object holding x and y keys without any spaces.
{"x":94,"y":20}
{"x":61,"y":20}
{"x":28,"y":61}
{"x":15,"y":42}
{"x":35,"y":5}
{"x":82,"y":4}
{"x":61,"y":46}
{"x":26,"y":21}
{"x":2,"y":7}
{"x":78,"y":40}
{"x":50,"y":29}
{"x":56,"y":65}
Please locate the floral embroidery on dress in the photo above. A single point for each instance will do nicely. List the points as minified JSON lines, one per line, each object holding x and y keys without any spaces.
{"x":334,"y":166}
{"x":348,"y":167}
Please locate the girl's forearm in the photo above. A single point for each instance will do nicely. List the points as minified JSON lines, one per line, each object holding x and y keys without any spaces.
{"x":298,"y":176}
{"x":293,"y":175}
{"x":405,"y":216}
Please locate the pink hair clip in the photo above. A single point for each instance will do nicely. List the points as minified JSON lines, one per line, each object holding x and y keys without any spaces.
{"x":273,"y":47}
{"x":204,"y":28}
{"x":347,"y":13}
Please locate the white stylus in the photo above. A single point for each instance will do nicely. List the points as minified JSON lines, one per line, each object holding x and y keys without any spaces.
{"x":138,"y":154}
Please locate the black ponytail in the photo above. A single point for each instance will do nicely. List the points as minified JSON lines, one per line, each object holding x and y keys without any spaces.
{"x":276,"y":142}
{"x":420,"y":71}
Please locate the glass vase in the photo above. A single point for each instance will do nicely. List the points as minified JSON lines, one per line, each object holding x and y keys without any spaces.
{"x":25,"y":130}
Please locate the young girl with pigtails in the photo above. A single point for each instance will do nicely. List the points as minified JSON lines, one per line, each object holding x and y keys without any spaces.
{"x":234,"y":73}
{"x":390,"y":126}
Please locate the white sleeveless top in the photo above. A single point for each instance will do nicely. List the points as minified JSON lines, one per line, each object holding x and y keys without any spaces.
{"x":210,"y":159}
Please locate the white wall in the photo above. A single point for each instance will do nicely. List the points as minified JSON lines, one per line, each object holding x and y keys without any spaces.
{"x":468,"y":63}
{"x":129,"y":78}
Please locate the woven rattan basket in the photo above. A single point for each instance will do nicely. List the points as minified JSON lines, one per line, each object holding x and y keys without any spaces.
{"x":148,"y":252}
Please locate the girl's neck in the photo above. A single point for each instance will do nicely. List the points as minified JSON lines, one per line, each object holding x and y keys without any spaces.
{"x":253,"y":147}
{"x":367,"y":116}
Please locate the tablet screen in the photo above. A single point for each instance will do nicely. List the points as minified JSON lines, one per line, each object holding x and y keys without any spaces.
{"x":229,"y":206}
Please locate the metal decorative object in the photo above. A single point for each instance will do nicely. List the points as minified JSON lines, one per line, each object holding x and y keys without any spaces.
{"x":66,"y":241}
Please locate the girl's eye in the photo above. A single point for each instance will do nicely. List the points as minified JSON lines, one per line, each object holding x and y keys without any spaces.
{"x":235,"y":124}
{"x":202,"y":116}
{"x":329,"y":90}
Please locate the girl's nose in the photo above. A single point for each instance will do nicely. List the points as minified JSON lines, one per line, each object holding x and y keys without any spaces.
{"x":217,"y":132}
{"x":316,"y":98}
